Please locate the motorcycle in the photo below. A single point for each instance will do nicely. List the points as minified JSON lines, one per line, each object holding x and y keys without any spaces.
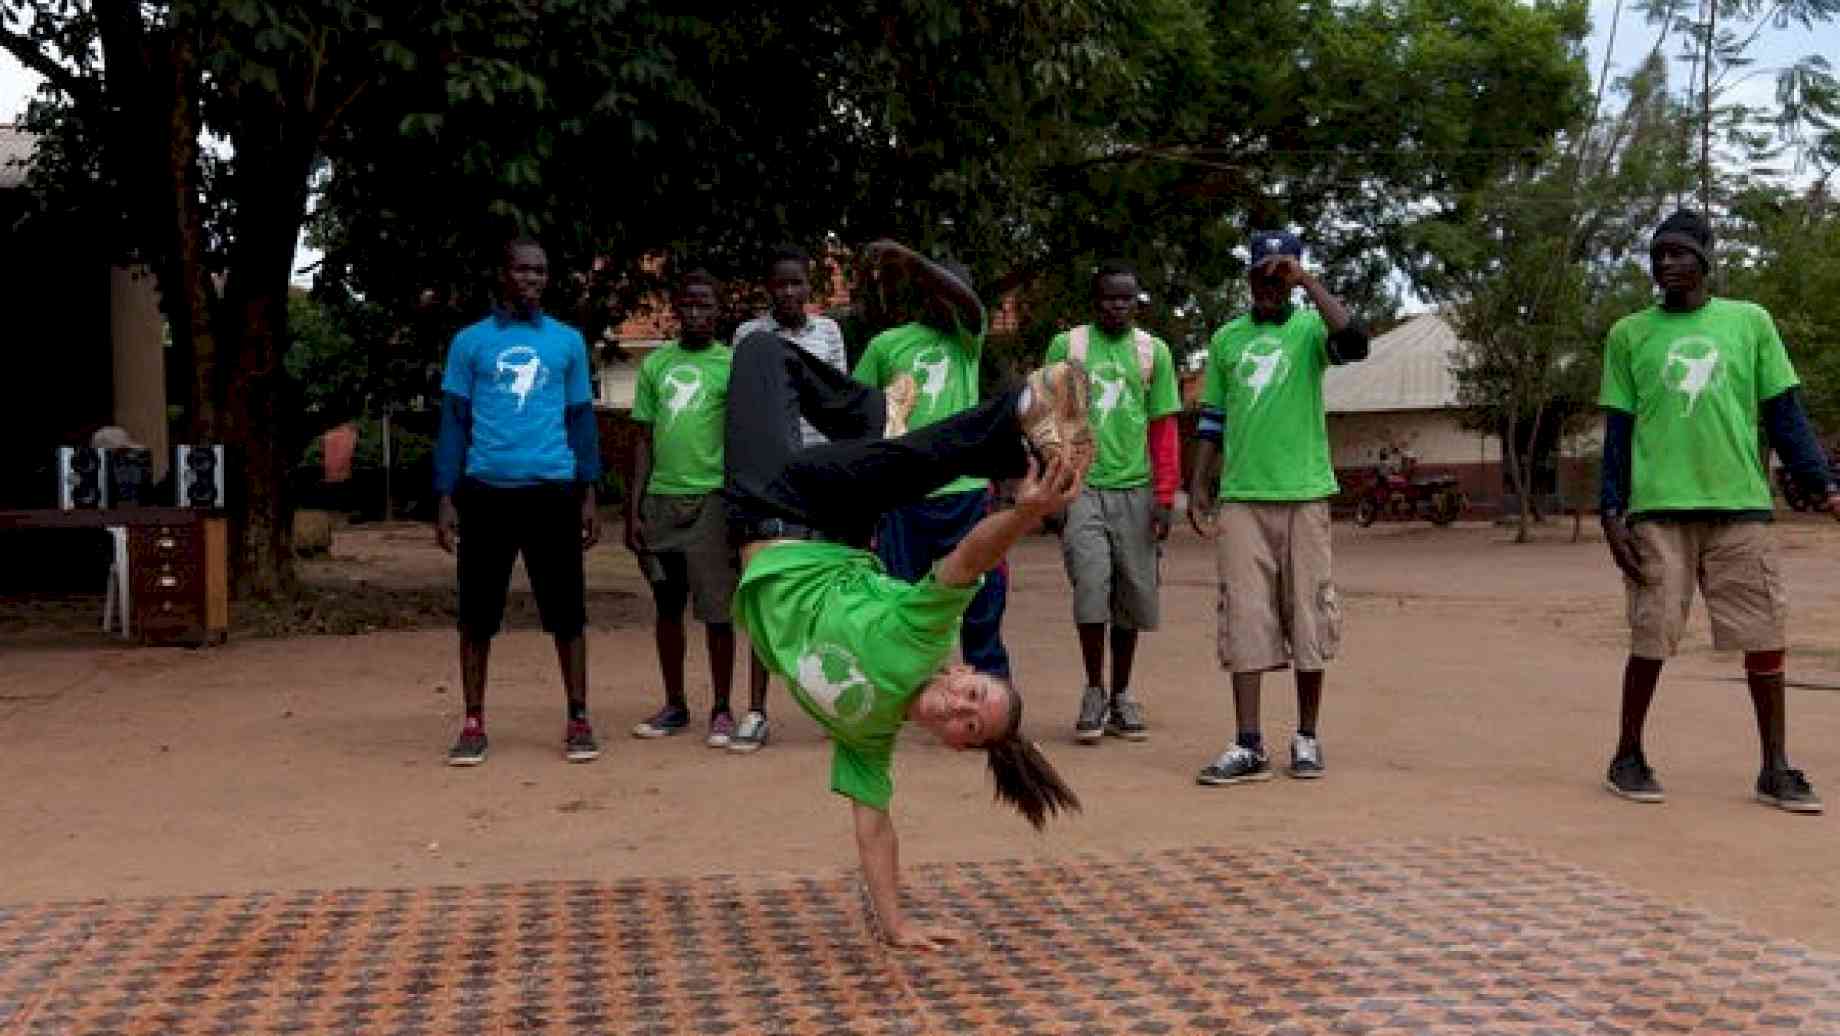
{"x":1401,"y":498}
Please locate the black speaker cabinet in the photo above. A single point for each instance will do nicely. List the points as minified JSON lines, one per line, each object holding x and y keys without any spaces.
{"x":130,"y":477}
{"x":83,"y":478}
{"x":198,"y":475}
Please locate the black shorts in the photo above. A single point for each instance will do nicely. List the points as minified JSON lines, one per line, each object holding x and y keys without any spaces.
{"x":543,"y":523}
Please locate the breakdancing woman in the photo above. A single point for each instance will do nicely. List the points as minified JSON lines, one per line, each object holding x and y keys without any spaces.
{"x":864,"y":653}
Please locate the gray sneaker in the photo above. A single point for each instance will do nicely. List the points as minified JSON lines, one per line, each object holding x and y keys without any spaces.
{"x":1631,"y":777}
{"x":1126,"y":719}
{"x":752,"y":734}
{"x":1095,"y":706}
{"x":1787,"y":790}
{"x":1306,"y":757}
{"x":1237,"y":765}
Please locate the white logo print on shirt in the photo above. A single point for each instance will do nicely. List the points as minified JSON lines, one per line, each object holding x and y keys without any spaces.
{"x":931,"y":367}
{"x":1261,"y":370}
{"x":828,"y":672}
{"x":1108,"y":378}
{"x":683,"y":388}
{"x":526,"y":372}
{"x":1692,"y":367}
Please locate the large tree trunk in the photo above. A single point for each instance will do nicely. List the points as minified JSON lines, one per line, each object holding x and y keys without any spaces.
{"x":271,"y":199}
{"x":190,"y":308}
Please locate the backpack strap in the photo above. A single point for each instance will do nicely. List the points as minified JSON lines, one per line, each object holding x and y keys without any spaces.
{"x":1146,"y":356}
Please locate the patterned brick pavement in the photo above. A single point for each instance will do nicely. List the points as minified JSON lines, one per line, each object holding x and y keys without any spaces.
{"x":1475,"y":936}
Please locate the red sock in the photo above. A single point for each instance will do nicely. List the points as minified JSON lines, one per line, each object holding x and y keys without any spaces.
{"x":475,"y":724}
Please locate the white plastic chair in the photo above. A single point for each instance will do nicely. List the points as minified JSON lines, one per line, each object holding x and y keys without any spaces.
{"x":115,"y":594}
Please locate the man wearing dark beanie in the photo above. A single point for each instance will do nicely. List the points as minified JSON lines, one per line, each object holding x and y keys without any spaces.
{"x":1685,"y":499}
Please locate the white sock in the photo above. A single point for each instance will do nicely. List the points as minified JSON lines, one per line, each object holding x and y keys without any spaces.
{"x":1023,"y":401}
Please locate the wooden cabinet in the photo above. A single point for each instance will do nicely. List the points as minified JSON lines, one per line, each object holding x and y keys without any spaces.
{"x":180,"y":581}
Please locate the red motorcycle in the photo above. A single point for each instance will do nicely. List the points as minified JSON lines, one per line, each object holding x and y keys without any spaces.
{"x":1400,"y":497}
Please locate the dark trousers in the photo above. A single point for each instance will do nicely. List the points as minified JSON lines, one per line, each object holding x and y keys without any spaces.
{"x":841,"y":489}
{"x":912,"y":539}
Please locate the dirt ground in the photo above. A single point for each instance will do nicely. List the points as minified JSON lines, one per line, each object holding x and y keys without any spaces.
{"x":1476,"y":695}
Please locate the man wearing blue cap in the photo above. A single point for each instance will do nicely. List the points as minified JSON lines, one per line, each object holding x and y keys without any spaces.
{"x":1262,"y":413}
{"x":1685,"y":500}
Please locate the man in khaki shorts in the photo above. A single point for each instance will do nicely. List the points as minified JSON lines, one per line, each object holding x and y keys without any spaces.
{"x":1685,"y":500}
{"x":1262,"y":396}
{"x":1111,"y":536}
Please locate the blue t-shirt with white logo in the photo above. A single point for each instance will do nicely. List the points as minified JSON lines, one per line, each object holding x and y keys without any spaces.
{"x":519,"y":378}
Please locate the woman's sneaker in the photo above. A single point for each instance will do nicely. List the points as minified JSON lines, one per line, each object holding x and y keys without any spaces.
{"x":721,"y":730}
{"x":1631,"y":777}
{"x":671,"y":719}
{"x":1055,"y":420}
{"x":1236,"y":765}
{"x":752,"y":734}
{"x":900,"y":395}
{"x":1787,"y":790}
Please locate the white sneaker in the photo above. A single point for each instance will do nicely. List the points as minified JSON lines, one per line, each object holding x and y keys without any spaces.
{"x":1306,"y":757}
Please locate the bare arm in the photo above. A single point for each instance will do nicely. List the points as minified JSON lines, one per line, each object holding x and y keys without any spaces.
{"x":1043,"y":491}
{"x":1201,"y":490}
{"x":1333,"y":312}
{"x":932,"y":279}
{"x":880,"y":851}
{"x":635,"y":489}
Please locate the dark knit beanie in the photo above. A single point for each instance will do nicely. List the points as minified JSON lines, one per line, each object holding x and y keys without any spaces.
{"x":1689,"y":230}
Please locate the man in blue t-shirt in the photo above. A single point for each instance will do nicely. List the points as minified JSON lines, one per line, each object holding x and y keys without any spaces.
{"x":515,"y":470}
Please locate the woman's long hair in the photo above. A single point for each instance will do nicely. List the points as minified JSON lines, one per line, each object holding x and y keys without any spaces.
{"x":1024,"y":778}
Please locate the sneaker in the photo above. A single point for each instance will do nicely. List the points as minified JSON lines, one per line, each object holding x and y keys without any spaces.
{"x":1094,"y":707}
{"x":669,"y":720}
{"x":470,"y":750}
{"x":1631,"y":777}
{"x":1237,"y":765}
{"x":1125,"y":719}
{"x":1056,"y":417}
{"x":752,"y":734}
{"x":901,"y":395}
{"x":1306,"y":757}
{"x":578,"y":744}
{"x":721,"y":730}
{"x":1787,"y":790}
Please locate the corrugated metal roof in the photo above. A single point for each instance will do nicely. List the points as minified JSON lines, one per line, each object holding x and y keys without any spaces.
{"x":1408,"y":369}
{"x":16,"y":146}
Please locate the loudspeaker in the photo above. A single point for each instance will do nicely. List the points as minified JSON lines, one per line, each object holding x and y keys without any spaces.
{"x":130,"y":477}
{"x":198,"y":476}
{"x":83,"y":478}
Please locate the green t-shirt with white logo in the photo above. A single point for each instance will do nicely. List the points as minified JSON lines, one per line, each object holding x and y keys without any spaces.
{"x":945,"y":370}
{"x":854,"y":645}
{"x":1694,"y":382}
{"x":1122,"y":405}
{"x":683,"y":394}
{"x":1267,"y":380}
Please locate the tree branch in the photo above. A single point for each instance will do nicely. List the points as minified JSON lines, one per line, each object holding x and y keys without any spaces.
{"x":81,"y":90}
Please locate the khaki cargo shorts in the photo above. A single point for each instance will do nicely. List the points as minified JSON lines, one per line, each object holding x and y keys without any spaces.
{"x":689,"y":537}
{"x":1111,"y":557}
{"x":1278,"y":605}
{"x":1733,"y":563}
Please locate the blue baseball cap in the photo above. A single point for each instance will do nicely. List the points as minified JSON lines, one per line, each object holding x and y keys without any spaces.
{"x":1267,"y":243}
